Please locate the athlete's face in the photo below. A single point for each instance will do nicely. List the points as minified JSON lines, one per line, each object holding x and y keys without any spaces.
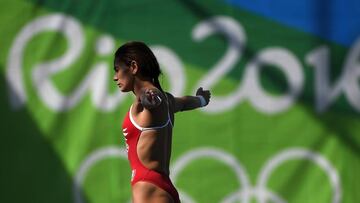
{"x":124,"y":78}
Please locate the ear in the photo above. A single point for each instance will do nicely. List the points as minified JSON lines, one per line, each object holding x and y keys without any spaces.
{"x":134,"y":67}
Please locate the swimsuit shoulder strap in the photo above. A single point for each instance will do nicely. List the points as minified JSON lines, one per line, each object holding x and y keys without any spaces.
{"x":155,"y":127}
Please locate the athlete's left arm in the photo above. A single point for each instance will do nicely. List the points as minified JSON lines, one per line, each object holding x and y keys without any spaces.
{"x":186,"y":103}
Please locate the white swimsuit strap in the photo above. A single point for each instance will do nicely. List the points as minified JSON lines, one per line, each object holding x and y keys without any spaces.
{"x":168,"y":107}
{"x":151,"y":128}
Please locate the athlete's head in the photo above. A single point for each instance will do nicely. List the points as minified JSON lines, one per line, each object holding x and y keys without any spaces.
{"x":134,"y":60}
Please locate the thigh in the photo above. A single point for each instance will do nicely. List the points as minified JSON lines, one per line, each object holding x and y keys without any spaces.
{"x":146,"y":192}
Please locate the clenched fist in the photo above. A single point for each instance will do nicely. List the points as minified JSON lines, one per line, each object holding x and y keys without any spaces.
{"x":205,"y":94}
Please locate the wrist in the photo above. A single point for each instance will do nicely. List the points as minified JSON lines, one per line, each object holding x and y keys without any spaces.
{"x":202,"y":100}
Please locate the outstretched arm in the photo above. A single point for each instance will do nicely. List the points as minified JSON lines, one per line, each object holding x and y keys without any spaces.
{"x":186,"y":103}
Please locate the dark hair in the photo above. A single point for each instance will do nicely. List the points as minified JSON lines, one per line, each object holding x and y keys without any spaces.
{"x":144,"y":57}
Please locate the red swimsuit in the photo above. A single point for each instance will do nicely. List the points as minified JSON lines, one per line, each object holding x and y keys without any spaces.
{"x":132,"y":133}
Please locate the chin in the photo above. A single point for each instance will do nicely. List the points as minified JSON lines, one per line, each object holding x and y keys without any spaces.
{"x":123,"y":89}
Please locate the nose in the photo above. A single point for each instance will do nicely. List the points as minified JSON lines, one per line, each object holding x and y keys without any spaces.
{"x":115,"y":78}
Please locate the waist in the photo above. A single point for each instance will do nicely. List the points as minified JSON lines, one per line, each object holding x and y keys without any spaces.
{"x":151,"y":176}
{"x":154,"y":166}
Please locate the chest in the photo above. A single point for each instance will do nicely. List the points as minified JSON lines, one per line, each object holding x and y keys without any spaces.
{"x":130,"y":132}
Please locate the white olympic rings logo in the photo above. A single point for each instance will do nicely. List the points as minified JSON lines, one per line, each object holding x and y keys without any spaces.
{"x":246,"y":191}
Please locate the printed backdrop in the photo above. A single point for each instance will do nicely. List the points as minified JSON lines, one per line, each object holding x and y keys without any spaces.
{"x":283,"y":124}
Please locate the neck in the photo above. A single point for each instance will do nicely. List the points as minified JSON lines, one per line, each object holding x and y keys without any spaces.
{"x":139,"y":85}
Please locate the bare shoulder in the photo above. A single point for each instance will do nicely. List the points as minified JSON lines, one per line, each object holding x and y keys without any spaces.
{"x":169,"y":96}
{"x":150,"y":98}
{"x":175,"y":103}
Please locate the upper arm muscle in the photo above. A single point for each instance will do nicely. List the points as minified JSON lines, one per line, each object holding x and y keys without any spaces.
{"x":176,"y":102}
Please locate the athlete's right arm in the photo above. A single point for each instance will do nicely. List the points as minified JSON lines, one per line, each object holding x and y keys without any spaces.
{"x":186,"y":103}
